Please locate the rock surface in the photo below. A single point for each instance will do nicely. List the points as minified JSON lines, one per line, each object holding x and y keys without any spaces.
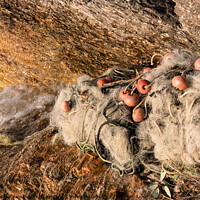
{"x":49,"y":42}
{"x":189,"y":18}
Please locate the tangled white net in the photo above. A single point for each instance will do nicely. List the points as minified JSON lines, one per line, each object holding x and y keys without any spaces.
{"x":173,"y":123}
{"x":101,"y":121}
{"x":99,"y":111}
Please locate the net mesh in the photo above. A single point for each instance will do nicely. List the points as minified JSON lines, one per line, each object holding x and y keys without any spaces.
{"x":102,"y":122}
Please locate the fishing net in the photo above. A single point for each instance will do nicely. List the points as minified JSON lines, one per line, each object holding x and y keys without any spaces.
{"x":97,"y":120}
{"x":173,"y":119}
{"x":100,"y":121}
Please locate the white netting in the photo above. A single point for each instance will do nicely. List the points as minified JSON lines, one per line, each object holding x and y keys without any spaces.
{"x":173,"y":123}
{"x":172,"y":126}
{"x":82,"y":123}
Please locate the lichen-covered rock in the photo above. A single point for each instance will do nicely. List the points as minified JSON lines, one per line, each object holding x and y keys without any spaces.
{"x":189,"y":17}
{"x":48,"y":42}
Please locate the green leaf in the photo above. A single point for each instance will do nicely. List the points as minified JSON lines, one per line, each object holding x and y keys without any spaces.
{"x":162,"y":175}
{"x":176,"y":177}
{"x":156,"y":193}
{"x":167,"y":191}
{"x":153,"y":186}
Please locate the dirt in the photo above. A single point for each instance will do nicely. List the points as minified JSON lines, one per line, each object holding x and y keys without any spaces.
{"x":41,"y":170}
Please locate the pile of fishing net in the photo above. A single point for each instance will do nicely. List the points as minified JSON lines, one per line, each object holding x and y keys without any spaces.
{"x":92,"y":114}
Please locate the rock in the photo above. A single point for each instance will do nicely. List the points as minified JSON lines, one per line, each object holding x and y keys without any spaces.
{"x":51,"y":42}
{"x":189,"y":18}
